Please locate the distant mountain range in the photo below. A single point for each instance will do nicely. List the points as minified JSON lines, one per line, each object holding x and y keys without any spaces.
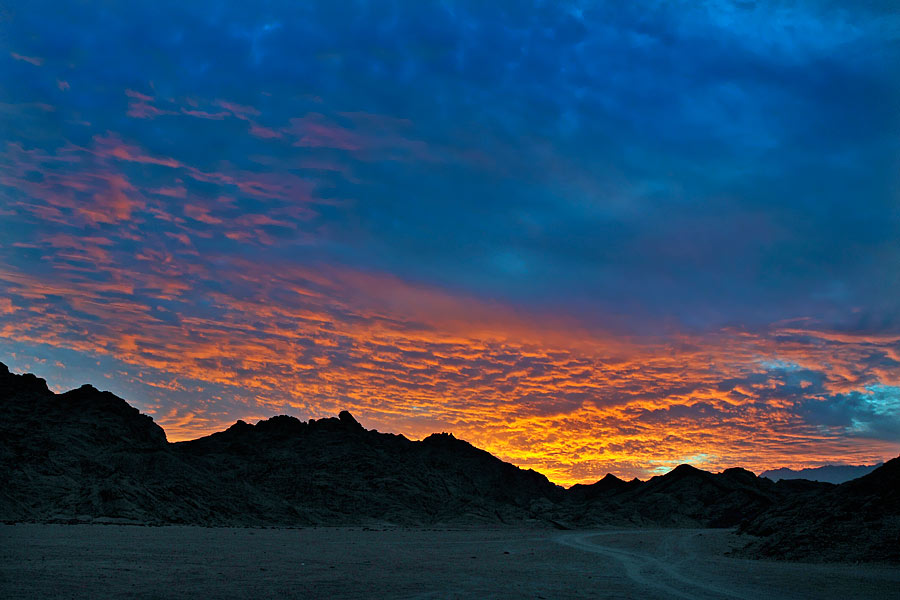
{"x":87,"y":456}
{"x":827,"y":473}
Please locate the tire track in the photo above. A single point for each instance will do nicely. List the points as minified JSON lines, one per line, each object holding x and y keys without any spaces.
{"x":647,"y":570}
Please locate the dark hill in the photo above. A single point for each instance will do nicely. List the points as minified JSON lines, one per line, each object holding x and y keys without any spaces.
{"x":683,"y":497}
{"x":87,"y":454}
{"x":334,"y":470}
{"x":857,"y":520}
{"x":610,"y":484}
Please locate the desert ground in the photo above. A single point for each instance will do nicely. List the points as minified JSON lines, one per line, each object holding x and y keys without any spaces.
{"x":114,"y":561}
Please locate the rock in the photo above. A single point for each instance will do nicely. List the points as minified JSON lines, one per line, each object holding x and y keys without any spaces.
{"x":346,"y":418}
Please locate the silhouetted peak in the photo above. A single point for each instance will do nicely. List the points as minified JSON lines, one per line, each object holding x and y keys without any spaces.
{"x":887,"y":474}
{"x":26,"y":382}
{"x":346,"y":418}
{"x":111,"y":419}
{"x":442,"y":438}
{"x":89,"y":396}
{"x":739,"y":473}
{"x":609,"y":484}
{"x":288,"y":425}
{"x":682,"y":471}
{"x":738,"y":470}
{"x":240,"y":425}
{"x":88,"y":391}
{"x":450,"y":442}
{"x":281,"y":424}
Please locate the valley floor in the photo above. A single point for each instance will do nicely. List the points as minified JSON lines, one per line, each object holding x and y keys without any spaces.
{"x":113,"y":561}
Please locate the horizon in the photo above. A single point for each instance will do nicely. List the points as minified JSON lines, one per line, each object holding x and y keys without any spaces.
{"x":758,"y":473}
{"x":587,"y":239}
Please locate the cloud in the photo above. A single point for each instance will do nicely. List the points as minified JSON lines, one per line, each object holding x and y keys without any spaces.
{"x":319,"y":339}
{"x":33,"y":60}
{"x":870,"y":413}
{"x":588,"y":238}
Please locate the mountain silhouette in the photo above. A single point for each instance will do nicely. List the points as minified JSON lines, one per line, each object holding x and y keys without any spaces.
{"x":827,"y":473}
{"x":683,"y":497}
{"x":334,"y":470}
{"x":88,"y":456}
{"x":856,"y":520}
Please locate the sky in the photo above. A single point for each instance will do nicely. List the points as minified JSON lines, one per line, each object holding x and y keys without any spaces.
{"x":587,"y":237}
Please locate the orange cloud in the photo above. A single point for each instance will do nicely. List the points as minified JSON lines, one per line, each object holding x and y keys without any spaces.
{"x":414,"y":359}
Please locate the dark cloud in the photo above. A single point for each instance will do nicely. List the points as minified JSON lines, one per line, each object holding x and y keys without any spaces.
{"x":871,"y":413}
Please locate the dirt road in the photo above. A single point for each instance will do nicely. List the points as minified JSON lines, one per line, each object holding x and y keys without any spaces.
{"x":692,"y":564}
{"x":657,"y":573}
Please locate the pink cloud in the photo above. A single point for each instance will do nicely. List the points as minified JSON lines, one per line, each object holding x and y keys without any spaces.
{"x":171,"y":192}
{"x":138,"y":96}
{"x":112,"y":145}
{"x":33,"y":60}
{"x":141,"y":106}
{"x":239,"y":110}
{"x":315,"y":130}
{"x":371,"y":137}
{"x":201,"y":213}
{"x":264,"y":132}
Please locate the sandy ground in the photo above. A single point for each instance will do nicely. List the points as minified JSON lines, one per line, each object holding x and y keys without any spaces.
{"x":110,"y":561}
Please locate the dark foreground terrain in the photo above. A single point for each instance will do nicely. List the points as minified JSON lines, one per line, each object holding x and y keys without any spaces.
{"x":109,"y":561}
{"x":86,"y":456}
